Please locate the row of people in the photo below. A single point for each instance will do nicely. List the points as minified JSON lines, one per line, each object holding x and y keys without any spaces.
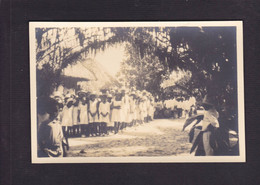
{"x":90,"y":114}
{"x":183,"y":103}
{"x":99,"y":114}
{"x":182,"y":108}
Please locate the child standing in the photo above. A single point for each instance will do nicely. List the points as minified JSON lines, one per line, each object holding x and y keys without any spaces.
{"x":104,"y":112}
{"x":83,"y":117}
{"x":93,"y":114}
{"x":110,"y":124}
{"x":75,"y":117}
{"x":66,"y":119}
{"x":117,"y":111}
{"x":124,"y":109}
{"x":131,"y":110}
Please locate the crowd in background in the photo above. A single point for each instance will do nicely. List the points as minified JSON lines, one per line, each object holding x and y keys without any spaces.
{"x":68,"y":113}
{"x":173,"y":108}
{"x":99,"y":113}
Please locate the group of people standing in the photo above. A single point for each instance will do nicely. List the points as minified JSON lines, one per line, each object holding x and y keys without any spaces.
{"x":183,"y":108}
{"x":86,"y":114}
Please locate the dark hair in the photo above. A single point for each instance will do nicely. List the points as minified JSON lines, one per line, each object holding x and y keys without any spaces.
{"x":48,"y":105}
{"x":61,"y":106}
{"x":69,"y":104}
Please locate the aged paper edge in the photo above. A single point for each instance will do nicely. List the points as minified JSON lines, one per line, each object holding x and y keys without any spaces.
{"x":162,"y":159}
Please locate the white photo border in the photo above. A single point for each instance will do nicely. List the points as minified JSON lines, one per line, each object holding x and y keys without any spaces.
{"x":163,"y":159}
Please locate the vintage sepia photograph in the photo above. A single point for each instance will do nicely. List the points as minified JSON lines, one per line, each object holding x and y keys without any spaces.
{"x":137,"y":92}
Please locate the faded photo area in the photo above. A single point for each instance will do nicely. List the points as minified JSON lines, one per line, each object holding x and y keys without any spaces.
{"x":151,"y":91}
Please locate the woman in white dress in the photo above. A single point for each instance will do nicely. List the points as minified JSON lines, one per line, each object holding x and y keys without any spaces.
{"x":117,"y":111}
{"x":131,"y":110}
{"x":66,"y":119}
{"x":144,"y":109}
{"x":93,"y":114}
{"x":104,"y":112}
{"x":75,"y":117}
{"x":125,"y":107}
{"x":110,"y":124}
{"x":151,"y":108}
{"x":138,"y":110}
{"x":83,"y":117}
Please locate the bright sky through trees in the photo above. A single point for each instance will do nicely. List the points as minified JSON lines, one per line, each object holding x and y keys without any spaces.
{"x":111,"y":58}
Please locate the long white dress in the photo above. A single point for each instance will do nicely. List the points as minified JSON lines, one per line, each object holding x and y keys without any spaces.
{"x":138,"y":111}
{"x":131,"y":110}
{"x":75,"y":114}
{"x":104,"y":108}
{"x":144,"y":111}
{"x":125,"y":109}
{"x":93,"y":109}
{"x":151,"y":109}
{"x":83,"y":115}
{"x":110,"y":123}
{"x":117,"y":113}
{"x":66,"y":116}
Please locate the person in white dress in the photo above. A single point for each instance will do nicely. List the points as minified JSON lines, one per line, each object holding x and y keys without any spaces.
{"x":110,"y":124}
{"x":142,"y":109}
{"x":66,"y":119}
{"x":145,"y":109}
{"x":125,"y":108}
{"x":75,"y":117}
{"x":117,"y":111}
{"x":93,"y":114}
{"x":132,"y":109}
{"x":83,"y":117}
{"x":149,"y":107}
{"x":139,"y":110}
{"x":152,"y":110}
{"x":104,"y":112}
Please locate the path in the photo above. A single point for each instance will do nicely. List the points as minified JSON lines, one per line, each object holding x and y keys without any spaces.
{"x":162,"y":137}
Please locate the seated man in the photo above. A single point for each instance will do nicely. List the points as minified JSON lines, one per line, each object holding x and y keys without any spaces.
{"x":50,"y":134}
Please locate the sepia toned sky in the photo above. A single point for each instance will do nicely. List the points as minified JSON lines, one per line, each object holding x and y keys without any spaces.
{"x":111,"y":58}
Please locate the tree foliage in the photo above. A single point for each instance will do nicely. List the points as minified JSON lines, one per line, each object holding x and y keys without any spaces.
{"x":59,"y":47}
{"x":143,"y":72}
{"x":208,"y":53}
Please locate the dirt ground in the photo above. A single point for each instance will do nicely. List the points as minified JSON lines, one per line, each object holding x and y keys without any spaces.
{"x":161,"y":137}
